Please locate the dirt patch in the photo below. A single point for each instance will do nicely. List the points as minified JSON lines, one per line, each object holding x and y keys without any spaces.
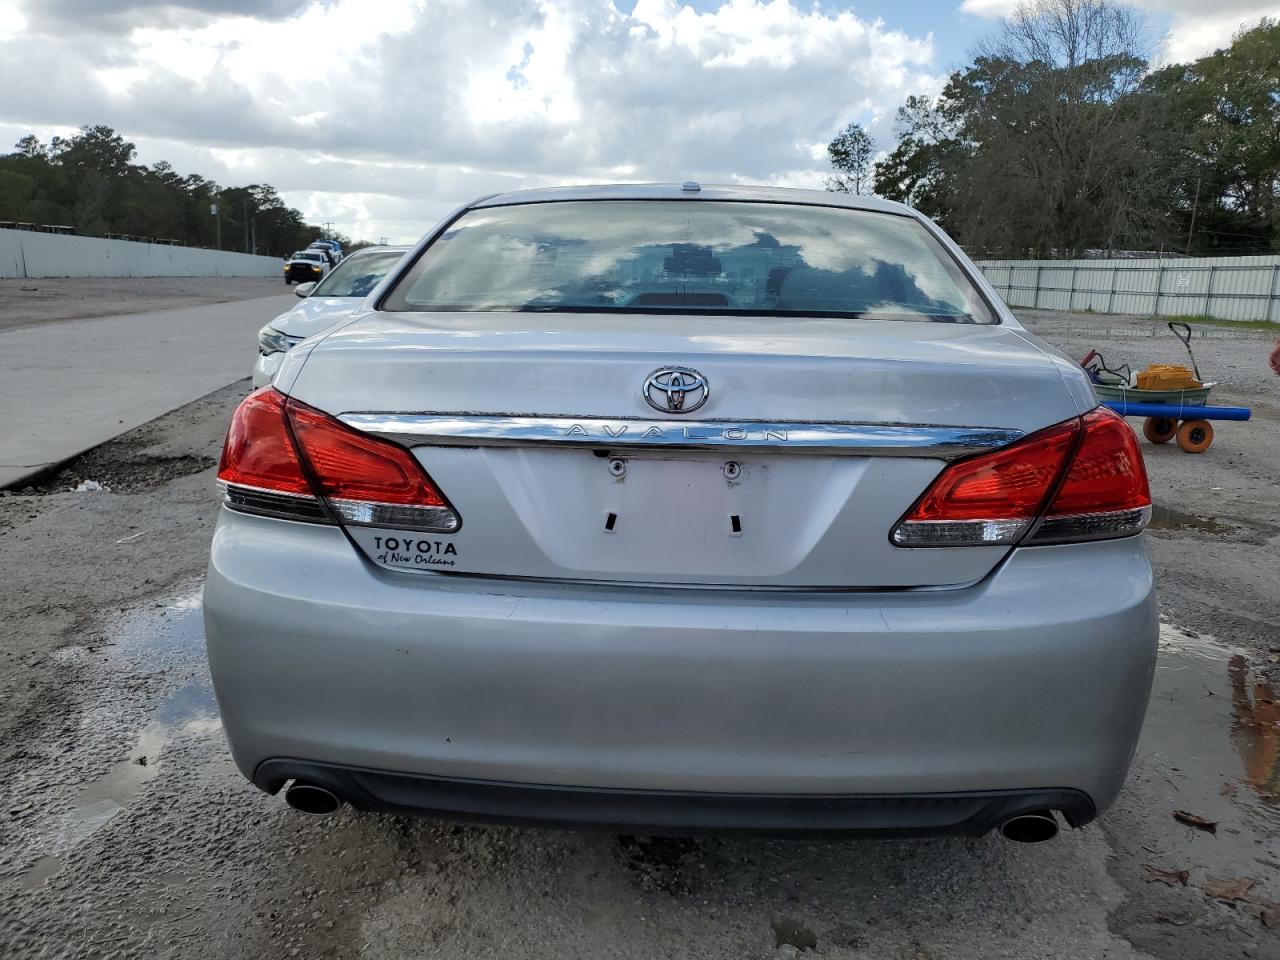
{"x":69,"y":557}
{"x":27,"y":302}
{"x":669,"y":864}
{"x":119,"y":467}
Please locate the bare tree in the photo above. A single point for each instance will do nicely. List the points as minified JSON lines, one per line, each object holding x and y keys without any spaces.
{"x":1070,"y":33}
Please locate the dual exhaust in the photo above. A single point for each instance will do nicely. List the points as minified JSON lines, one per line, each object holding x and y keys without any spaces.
{"x":1035,"y":827}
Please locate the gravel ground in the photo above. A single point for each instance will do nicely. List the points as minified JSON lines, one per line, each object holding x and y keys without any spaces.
{"x":125,"y":831}
{"x":26,"y":302}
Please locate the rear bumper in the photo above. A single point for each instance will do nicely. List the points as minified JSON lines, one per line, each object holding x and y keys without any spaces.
{"x":1034,"y":681}
{"x":653,"y":811}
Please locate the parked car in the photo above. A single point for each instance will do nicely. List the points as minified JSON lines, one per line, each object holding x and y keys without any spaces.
{"x":306,"y":266}
{"x":662,"y":508}
{"x":332,"y":249}
{"x":324,"y":304}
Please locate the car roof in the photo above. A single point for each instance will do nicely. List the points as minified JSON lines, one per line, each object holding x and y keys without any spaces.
{"x":676,"y":191}
{"x":390,"y":248}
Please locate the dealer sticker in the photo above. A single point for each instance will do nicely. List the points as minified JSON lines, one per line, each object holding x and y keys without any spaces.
{"x":406,"y":550}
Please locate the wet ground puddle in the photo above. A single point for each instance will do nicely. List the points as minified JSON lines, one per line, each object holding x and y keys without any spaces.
{"x":168,"y":637}
{"x":1216,"y":718}
{"x":1166,"y":518}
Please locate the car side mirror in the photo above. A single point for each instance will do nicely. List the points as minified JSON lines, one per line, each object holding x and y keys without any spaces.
{"x":304,"y":289}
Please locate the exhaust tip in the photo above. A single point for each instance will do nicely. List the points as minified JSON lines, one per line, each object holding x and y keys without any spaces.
{"x":1036,"y":827}
{"x":311,"y":798}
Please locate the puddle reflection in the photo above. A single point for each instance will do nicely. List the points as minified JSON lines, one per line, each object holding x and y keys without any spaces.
{"x":1193,"y":722}
{"x":1255,"y":729}
{"x":1166,"y":518}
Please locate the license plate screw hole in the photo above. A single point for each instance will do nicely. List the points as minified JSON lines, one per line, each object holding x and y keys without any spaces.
{"x":735,"y":525}
{"x":609,"y":521}
{"x":732,"y":470}
{"x":618,"y":467}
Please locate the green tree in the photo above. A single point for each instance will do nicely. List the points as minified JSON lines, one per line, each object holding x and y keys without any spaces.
{"x":91,"y":181}
{"x":1044,"y":145}
{"x":1225,"y":109}
{"x":850,"y":153}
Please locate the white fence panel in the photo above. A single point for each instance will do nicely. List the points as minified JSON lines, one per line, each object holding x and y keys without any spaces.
{"x":25,"y":253}
{"x":1226,"y":288}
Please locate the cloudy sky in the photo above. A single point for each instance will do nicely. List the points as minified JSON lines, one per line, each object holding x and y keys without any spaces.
{"x":380,"y":115}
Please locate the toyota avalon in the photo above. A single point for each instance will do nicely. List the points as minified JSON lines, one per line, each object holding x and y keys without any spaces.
{"x":665,"y":508}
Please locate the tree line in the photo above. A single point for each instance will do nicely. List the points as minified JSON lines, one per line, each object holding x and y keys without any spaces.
{"x":1059,"y":140}
{"x":91,"y":182}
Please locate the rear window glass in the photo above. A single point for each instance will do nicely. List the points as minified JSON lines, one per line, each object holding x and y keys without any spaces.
{"x":357,"y":276}
{"x":696,"y":257}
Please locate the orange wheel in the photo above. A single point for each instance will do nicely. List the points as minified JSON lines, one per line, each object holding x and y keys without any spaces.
{"x":1159,"y":429}
{"x":1194,"y":436}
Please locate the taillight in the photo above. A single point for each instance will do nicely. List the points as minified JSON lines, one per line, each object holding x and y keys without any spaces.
{"x":1105,"y":492}
{"x":1079,"y":480}
{"x":260,"y":471}
{"x":366,"y":480}
{"x":283,"y":458}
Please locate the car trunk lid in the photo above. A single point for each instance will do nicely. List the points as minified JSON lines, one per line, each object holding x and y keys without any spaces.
{"x":814,"y":437}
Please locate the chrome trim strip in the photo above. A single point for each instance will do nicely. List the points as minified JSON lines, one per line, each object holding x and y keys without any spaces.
{"x":851,"y":439}
{"x":272,"y":503}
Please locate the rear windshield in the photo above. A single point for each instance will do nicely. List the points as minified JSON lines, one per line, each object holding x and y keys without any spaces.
{"x":357,"y":276}
{"x":695,"y":257}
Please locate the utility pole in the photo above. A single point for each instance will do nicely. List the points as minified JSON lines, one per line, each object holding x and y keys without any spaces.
{"x":216,"y":209}
{"x":328,"y":228}
{"x":246,"y":224}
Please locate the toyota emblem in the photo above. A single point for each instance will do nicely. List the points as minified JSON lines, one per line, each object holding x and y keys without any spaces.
{"x":676,"y":390}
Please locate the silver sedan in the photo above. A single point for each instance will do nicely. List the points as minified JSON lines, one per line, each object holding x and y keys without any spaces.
{"x":323,"y":304}
{"x":675,"y":507}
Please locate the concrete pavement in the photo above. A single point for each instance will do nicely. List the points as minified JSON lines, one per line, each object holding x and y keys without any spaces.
{"x":66,"y":387}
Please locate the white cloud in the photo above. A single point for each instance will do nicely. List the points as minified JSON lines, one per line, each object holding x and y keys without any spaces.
{"x":12,"y":20}
{"x":989,"y":8}
{"x":1199,"y":28}
{"x":383,"y":114}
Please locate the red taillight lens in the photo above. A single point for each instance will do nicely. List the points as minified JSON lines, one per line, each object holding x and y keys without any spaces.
{"x":366,"y":480}
{"x":1105,"y":492}
{"x":258,"y":452}
{"x":1099,"y":491}
{"x":362,"y":480}
{"x":992,"y":498}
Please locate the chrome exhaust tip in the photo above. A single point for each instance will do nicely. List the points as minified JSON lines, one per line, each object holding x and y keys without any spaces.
{"x":1035,"y":827}
{"x":311,"y":798}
